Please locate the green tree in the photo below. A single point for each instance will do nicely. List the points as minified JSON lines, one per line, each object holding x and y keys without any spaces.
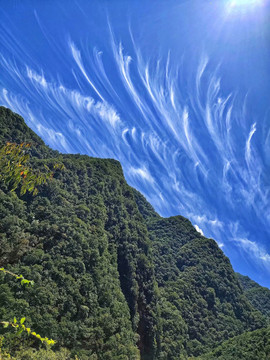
{"x":15,"y":171}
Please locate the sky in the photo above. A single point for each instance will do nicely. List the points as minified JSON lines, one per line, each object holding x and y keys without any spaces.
{"x":177,"y":91}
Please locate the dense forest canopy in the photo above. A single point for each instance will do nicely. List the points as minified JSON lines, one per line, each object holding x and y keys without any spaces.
{"x":253,"y":345}
{"x":258,"y":295}
{"x":113,"y":279}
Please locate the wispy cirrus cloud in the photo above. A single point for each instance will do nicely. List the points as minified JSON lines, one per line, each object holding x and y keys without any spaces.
{"x":143,"y":173}
{"x":188,"y":146}
{"x":254,"y":251}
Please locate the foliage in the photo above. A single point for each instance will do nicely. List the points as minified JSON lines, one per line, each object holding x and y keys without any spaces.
{"x":253,"y":345}
{"x":20,"y":327}
{"x":259,"y":296}
{"x":15,"y":172}
{"x":41,"y":354}
{"x":18,"y":277}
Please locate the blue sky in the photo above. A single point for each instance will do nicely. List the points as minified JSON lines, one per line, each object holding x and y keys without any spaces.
{"x":178,"y":91}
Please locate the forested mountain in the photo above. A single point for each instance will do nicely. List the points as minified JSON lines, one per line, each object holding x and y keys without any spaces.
{"x":258,"y":295}
{"x":113,"y":279}
{"x":198,"y":287}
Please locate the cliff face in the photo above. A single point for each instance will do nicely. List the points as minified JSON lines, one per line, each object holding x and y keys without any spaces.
{"x":113,"y":279}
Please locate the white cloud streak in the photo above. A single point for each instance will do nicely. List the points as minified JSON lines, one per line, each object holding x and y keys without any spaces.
{"x":254,"y":251}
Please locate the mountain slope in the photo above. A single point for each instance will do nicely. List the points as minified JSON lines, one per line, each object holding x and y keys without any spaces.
{"x":258,"y":295}
{"x":113,"y":279}
{"x":253,"y":345}
{"x":197,"y":282}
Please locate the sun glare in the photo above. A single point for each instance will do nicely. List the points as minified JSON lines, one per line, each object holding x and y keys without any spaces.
{"x":244,"y":3}
{"x":243,"y":6}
